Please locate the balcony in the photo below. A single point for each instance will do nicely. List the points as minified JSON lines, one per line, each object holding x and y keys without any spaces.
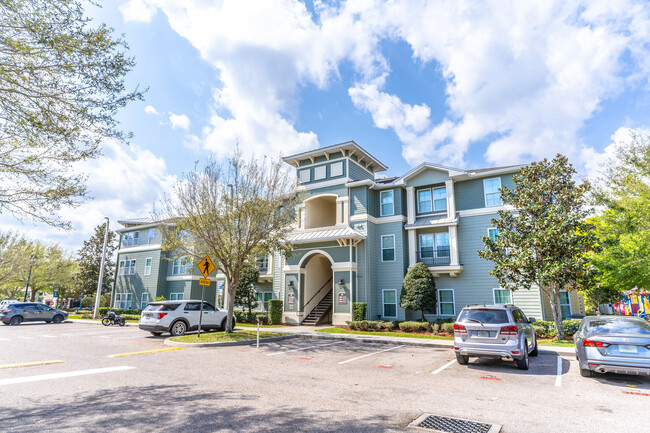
{"x":432,"y":258}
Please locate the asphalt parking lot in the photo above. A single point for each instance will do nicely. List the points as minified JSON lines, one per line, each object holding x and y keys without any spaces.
{"x":123,"y":379}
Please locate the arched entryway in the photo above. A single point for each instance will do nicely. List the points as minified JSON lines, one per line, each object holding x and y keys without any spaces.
{"x":318,"y":284}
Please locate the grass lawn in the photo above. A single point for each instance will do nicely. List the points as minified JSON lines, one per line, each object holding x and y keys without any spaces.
{"x":563,"y":343}
{"x":78,"y":317}
{"x":212,"y":337}
{"x":251,"y":325}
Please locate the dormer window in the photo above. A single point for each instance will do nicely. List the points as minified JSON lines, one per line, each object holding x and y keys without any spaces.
{"x":305,"y":176}
{"x":387,"y":203}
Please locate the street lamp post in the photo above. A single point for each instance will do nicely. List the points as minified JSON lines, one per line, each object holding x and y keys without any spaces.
{"x":101,"y":273}
{"x":32,"y":259}
{"x":225,"y":292}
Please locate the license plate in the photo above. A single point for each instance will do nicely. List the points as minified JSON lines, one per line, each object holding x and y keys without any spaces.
{"x":627,"y":349}
{"x":483,"y":333}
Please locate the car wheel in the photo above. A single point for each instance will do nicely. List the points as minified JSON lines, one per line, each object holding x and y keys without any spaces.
{"x":462,"y":359}
{"x":156,"y":333}
{"x":178,"y":328}
{"x":16,"y":320}
{"x":57,"y":319}
{"x":534,"y":352}
{"x":585,"y":372}
{"x":523,"y":363}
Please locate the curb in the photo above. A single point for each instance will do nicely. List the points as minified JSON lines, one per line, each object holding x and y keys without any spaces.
{"x":96,"y":322}
{"x":168,"y":342}
{"x":380,"y":340}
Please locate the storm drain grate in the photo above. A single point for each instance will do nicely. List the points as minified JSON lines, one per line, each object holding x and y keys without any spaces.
{"x":445,"y":424}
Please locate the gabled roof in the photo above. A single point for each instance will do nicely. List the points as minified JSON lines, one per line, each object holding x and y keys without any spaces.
{"x":456,"y":173}
{"x":373,"y":164}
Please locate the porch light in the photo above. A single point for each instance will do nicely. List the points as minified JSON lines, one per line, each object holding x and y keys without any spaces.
{"x":291,"y":285}
{"x":341,"y":284}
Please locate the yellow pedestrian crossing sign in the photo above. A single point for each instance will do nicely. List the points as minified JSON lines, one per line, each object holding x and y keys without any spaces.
{"x":206,"y":266}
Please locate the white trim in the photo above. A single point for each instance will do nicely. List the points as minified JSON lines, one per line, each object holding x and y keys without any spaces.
{"x":313,"y":252}
{"x":320,"y":172}
{"x":339,"y":164}
{"x":316,"y":185}
{"x":381,"y":248}
{"x":485,"y":193}
{"x":344,"y":266}
{"x":453,"y":271}
{"x":492,"y":228}
{"x":484,"y":210}
{"x":149,"y":247}
{"x":137,"y":227}
{"x":453,"y":302}
{"x":418,"y":201}
{"x":451,"y":171}
{"x":142,"y":299}
{"x":494,"y":295}
{"x":445,"y":222}
{"x":383,"y":303}
{"x":300,"y":175}
{"x":378,"y":220}
{"x":568,"y":295}
{"x":177,"y":293}
{"x":183,"y":277}
{"x":150,"y":259}
{"x":392,"y":202}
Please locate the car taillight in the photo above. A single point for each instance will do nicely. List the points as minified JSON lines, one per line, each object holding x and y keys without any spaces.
{"x":509,"y":330}
{"x":8,"y":310}
{"x":459,"y":329}
{"x":592,"y":343}
{"x":161,"y":315}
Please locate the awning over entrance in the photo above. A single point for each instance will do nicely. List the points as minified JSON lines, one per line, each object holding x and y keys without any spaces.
{"x":324,"y":234}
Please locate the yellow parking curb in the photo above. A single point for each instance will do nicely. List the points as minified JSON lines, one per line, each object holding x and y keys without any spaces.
{"x":30,"y":364}
{"x":142,"y":353}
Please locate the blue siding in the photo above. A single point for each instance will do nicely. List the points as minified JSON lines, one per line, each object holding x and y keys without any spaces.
{"x":358,"y":200}
{"x":428,"y":177}
{"x":358,"y":173}
{"x":328,"y":171}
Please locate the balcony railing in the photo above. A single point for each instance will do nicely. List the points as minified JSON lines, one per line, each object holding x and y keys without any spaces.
{"x":434,"y":258}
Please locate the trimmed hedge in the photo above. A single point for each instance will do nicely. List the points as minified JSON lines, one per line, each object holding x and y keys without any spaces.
{"x":370,"y":325}
{"x":359,"y":311}
{"x":275,"y":311}
{"x":414,"y":326}
{"x":121,"y":312}
{"x":546,"y":328}
{"x":447,"y":327}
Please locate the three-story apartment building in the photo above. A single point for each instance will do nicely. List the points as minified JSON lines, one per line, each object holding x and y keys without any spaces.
{"x":355,"y":237}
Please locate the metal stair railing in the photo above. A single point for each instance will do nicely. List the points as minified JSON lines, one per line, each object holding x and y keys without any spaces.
{"x":302,"y":310}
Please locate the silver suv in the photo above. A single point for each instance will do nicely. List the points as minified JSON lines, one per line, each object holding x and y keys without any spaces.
{"x":496,"y":331}
{"x":178,"y":317}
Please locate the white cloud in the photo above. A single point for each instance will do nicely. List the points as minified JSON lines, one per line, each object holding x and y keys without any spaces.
{"x":138,"y":11}
{"x":149,"y":109}
{"x":179,"y":121}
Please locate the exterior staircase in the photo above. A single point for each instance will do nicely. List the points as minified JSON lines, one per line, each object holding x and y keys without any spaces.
{"x":320,"y":312}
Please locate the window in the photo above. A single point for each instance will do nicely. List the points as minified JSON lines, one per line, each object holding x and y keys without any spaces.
{"x":439,"y":199}
{"x":442,"y":245}
{"x":320,"y":172}
{"x":126,"y":267}
{"x":388,"y":248}
{"x":147,"y":266}
{"x":144,"y":300}
{"x":262,"y":264}
{"x":390,"y":303}
{"x":193,"y":306}
{"x":305,"y":176}
{"x":502,"y":296}
{"x":176,"y":296}
{"x":130,"y":239}
{"x":426,"y":247}
{"x":434,"y":249}
{"x":565,"y":304}
{"x":336,"y":169}
{"x":518,"y":316}
{"x":152,"y":236}
{"x":492,"y":194}
{"x":446,"y":302}
{"x":123,"y":301}
{"x":262,"y":298}
{"x":493,"y":233}
{"x":387,"y":203}
{"x":424,"y":201}
{"x":179,"y":266}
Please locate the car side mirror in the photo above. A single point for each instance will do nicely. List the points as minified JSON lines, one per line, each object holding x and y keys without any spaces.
{"x":531,"y":320}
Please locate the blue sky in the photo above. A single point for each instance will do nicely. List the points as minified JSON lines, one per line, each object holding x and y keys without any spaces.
{"x":466,"y":84}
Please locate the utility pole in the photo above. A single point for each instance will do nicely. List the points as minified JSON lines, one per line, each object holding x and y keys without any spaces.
{"x":101,"y":273}
{"x":32,"y":259}
{"x":226,"y":289}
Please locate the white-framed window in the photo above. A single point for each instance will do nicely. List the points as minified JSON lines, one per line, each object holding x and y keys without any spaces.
{"x":144,"y":300}
{"x":126,"y":267}
{"x":434,"y":249}
{"x":180,"y":266}
{"x":424,"y":201}
{"x":176,"y":296}
{"x":439,"y":199}
{"x":387,"y":203}
{"x":123,"y":301}
{"x":336,"y":169}
{"x":446,"y":302}
{"x":565,"y":304}
{"x":320,"y":172}
{"x":130,"y":239}
{"x":147,"y":266}
{"x":493,"y":232}
{"x":502,"y":296}
{"x":305,"y":176}
{"x":152,"y":236}
{"x":491,"y":190}
{"x":262,"y":263}
{"x":388,"y":248}
{"x":389,"y":301}
{"x":262,"y":299}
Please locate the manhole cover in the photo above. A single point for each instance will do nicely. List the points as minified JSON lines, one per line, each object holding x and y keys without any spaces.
{"x":443,"y":424}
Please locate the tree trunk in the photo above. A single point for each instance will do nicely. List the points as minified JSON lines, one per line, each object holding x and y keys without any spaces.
{"x":423,"y":318}
{"x":232,"y":286}
{"x":557,"y":311}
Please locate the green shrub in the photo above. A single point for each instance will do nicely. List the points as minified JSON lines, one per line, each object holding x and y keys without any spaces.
{"x":435,"y":328}
{"x":570,"y":327}
{"x":121,"y":312}
{"x":263,"y":318}
{"x":131,"y":316}
{"x":240,"y":317}
{"x":388,"y":326}
{"x":440,"y":321}
{"x":160,"y":298}
{"x":86,"y":316}
{"x":447,"y":327}
{"x":359,"y":311}
{"x":414,"y":326}
{"x":275,"y":311}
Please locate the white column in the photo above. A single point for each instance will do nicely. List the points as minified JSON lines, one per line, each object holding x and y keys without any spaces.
{"x":410,"y":204}
{"x":453,"y":245}
{"x":412,"y":248}
{"x":451,"y":199}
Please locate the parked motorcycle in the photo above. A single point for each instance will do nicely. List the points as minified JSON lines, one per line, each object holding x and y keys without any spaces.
{"x":111,"y":319}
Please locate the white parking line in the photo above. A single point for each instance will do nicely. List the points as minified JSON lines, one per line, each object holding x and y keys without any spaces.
{"x":4,"y":339}
{"x":61,"y":375}
{"x":27,"y":338}
{"x":370,"y":354}
{"x":85,"y":334}
{"x":127,"y":338}
{"x":304,"y":348}
{"x":558,"y":377}
{"x":49,"y":336}
{"x":444,"y":366}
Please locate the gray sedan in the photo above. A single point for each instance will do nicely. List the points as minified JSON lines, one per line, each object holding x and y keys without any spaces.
{"x":19,"y":312}
{"x":613,"y":344}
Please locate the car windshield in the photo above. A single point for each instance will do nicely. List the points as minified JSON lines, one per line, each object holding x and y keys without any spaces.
{"x":161,"y":307}
{"x":618,"y":327}
{"x":484,"y":315}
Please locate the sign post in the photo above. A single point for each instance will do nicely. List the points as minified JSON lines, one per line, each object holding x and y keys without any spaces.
{"x":206,"y":267}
